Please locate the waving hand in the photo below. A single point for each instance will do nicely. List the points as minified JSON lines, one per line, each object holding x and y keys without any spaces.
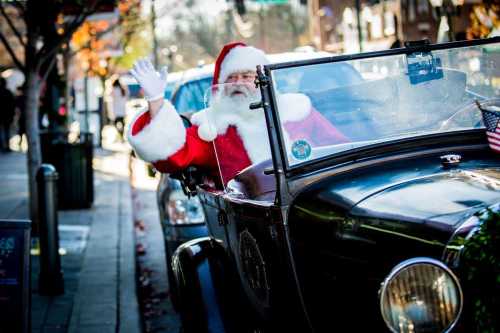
{"x":152,"y":82}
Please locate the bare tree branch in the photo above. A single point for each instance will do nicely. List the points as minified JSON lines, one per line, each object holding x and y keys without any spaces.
{"x":45,"y":53}
{"x":11,"y":25}
{"x":11,"y":52}
{"x":49,"y":69}
{"x":20,"y":7}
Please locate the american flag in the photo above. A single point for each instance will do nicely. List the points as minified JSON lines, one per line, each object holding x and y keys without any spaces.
{"x":491,"y":118}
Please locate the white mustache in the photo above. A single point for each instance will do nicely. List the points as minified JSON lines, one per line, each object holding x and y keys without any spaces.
{"x":244,"y":89}
{"x":226,"y":101}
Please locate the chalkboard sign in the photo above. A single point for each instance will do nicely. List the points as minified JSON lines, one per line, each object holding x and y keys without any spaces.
{"x":14,"y":276}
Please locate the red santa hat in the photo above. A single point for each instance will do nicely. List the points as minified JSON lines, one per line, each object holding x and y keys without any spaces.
{"x":237,"y":57}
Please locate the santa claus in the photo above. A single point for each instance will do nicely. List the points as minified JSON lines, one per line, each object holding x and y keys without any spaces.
{"x":227,"y":136}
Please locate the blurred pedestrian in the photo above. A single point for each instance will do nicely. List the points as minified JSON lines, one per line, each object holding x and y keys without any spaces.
{"x":6,"y":115}
{"x":21,"y":118}
{"x":119,"y":97}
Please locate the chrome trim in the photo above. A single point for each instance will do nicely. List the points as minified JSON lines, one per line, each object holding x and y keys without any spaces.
{"x":417,"y":261}
{"x":450,"y":160}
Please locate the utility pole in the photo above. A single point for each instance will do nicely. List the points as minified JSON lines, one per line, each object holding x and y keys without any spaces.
{"x":358,"y":18}
{"x":155,"y":40}
{"x":229,"y":26}
{"x":313,"y":23}
{"x":262,"y":31}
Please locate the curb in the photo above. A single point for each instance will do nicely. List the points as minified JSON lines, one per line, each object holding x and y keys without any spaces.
{"x":130,"y":321}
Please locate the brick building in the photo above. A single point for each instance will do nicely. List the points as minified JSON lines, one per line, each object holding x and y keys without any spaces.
{"x":334,"y":23}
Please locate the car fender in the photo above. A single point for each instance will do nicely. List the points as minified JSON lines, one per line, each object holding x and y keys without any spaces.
{"x":203,"y":290}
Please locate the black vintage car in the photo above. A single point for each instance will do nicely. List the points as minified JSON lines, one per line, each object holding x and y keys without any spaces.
{"x":394,"y":230}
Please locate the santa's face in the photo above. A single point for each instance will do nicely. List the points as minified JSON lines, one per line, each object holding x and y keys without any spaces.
{"x":234,"y":96}
{"x":240,"y":85}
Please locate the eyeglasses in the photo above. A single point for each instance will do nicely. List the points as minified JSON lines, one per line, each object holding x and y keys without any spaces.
{"x":246,"y":77}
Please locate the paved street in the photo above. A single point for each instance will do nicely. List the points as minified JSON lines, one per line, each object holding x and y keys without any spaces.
{"x":159,"y":315}
{"x":97,"y":246}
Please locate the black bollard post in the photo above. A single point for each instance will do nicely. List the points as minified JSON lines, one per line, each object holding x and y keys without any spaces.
{"x":50,"y":280}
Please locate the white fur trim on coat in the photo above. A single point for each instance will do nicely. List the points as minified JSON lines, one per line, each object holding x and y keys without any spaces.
{"x":252,"y":130}
{"x":293,"y":107}
{"x":161,"y":138}
{"x":255,"y":138}
{"x":240,"y":59}
{"x":206,"y":128}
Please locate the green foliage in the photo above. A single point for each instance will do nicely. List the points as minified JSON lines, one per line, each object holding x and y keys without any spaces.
{"x":137,"y":47}
{"x":481,"y":268}
{"x":135,"y":37}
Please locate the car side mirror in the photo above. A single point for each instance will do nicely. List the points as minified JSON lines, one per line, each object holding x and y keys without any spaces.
{"x":189,"y":178}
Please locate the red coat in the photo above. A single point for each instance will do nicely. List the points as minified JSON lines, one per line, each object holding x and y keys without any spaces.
{"x":232,"y":152}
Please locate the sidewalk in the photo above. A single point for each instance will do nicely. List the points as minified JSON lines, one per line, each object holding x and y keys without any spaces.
{"x":98,"y":258}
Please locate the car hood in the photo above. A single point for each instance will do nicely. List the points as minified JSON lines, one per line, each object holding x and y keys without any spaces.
{"x":443,"y":199}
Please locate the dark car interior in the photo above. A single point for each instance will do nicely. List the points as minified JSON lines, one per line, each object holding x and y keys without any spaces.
{"x":189,"y":98}
{"x":366,"y":110}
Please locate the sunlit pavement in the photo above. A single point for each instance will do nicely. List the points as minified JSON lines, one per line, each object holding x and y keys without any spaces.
{"x":153,"y":290}
{"x":97,"y":246}
{"x":157,"y":310}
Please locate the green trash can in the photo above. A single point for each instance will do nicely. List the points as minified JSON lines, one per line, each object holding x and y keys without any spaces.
{"x":73,"y":162}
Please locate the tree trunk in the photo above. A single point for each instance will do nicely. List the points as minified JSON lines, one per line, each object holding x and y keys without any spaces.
{"x":32,"y":94}
{"x":292,"y":20}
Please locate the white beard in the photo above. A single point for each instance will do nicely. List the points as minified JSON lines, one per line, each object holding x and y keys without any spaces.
{"x":228,"y":111}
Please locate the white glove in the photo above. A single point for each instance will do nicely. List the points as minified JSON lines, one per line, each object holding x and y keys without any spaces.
{"x":152,"y":82}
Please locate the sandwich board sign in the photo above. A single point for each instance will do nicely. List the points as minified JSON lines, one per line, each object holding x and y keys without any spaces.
{"x":15,"y":275}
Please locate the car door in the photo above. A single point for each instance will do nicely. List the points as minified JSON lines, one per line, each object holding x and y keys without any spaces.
{"x":245,"y":219}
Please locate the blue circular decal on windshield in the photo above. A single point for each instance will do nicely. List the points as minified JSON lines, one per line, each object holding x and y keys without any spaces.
{"x":301,"y":149}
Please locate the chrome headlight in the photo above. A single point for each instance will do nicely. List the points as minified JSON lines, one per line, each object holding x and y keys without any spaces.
{"x":421,"y":295}
{"x":184,"y":210}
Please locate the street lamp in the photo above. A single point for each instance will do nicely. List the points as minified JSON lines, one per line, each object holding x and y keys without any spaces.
{"x":445,"y":10}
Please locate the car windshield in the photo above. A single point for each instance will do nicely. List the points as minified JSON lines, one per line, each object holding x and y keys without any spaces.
{"x":189,"y":96}
{"x":332,"y":107}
